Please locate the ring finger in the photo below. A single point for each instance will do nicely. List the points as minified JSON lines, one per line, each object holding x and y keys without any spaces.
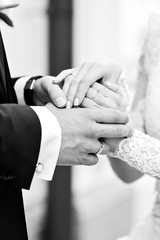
{"x":101,"y":100}
{"x":99,"y":148}
{"x":104,"y":148}
{"x":107,"y":92}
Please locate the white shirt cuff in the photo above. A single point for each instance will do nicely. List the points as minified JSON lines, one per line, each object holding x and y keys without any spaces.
{"x":50,"y":143}
{"x":19,"y":88}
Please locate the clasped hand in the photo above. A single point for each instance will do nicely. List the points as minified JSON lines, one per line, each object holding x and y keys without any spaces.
{"x":84,"y":129}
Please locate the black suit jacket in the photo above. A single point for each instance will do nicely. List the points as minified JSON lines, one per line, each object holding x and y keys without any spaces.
{"x":20,"y":136}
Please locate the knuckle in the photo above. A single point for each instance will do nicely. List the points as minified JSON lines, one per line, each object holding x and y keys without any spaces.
{"x":98,"y":99}
{"x":87,"y":148}
{"x":92,"y":131}
{"x":91,"y":126}
{"x":91,"y":115}
{"x":84,"y":80}
{"x":96,"y":131}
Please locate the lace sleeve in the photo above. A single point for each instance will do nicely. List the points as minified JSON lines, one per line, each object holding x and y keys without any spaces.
{"x":141,"y":152}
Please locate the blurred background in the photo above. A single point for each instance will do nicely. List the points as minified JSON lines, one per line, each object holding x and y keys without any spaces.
{"x":81,"y":203}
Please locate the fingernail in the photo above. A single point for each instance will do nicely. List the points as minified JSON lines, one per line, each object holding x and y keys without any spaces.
{"x":60,"y":102}
{"x":76,"y":102}
{"x":107,"y":84}
{"x":68,"y":105}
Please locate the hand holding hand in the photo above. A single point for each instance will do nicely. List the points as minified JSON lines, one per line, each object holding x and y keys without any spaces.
{"x":108,"y":96}
{"x":82,"y":129}
{"x":78,"y":80}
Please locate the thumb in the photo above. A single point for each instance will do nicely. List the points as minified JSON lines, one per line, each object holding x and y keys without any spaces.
{"x":57,"y":96}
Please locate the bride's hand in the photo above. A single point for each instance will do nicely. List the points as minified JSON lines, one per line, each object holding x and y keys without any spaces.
{"x":78,"y":80}
{"x":108,"y":96}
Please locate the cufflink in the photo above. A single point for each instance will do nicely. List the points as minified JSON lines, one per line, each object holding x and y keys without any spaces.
{"x":39,"y":168}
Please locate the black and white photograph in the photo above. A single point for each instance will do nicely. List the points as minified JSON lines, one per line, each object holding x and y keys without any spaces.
{"x":79,"y":120}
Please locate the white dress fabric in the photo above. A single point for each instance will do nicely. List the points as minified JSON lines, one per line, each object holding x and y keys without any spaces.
{"x":149,"y":228}
{"x":147,"y":109}
{"x":142,"y":152}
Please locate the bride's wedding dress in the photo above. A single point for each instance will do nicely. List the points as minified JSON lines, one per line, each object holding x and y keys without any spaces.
{"x":143,"y":151}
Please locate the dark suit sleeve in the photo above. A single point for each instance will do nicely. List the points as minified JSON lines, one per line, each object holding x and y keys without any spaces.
{"x":20,"y":136}
{"x":14,"y":79}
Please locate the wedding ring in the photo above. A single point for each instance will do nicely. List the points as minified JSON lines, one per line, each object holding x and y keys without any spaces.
{"x":93,"y":97}
{"x":101,"y":148}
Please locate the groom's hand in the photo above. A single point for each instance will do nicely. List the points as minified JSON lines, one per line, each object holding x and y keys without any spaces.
{"x":82,"y":129}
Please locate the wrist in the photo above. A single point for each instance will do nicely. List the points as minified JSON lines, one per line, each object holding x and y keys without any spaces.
{"x":114,"y":146}
{"x":29,"y":91}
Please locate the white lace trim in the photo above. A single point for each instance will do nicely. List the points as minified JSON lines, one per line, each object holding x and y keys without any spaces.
{"x":141,"y":152}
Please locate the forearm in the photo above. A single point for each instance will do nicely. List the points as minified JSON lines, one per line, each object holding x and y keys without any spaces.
{"x":141,"y":152}
{"x":20,"y":138}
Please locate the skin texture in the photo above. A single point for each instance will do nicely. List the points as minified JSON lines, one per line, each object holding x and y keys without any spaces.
{"x":112,"y":97}
{"x":78,"y":80}
{"x":82,"y":129}
{"x":81,"y":88}
{"x":45,"y":91}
